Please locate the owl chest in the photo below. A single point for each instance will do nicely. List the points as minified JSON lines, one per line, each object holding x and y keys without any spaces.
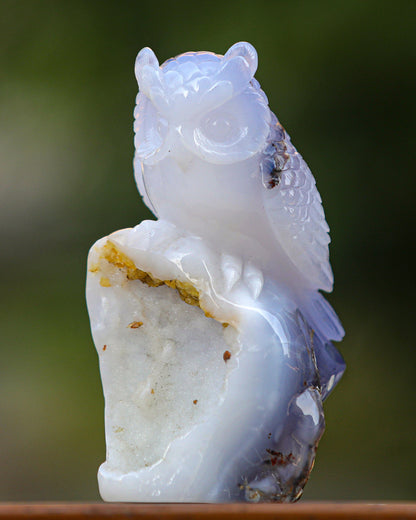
{"x":202,"y":190}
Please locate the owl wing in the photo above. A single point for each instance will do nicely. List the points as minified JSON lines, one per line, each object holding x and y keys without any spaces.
{"x":294,"y":209}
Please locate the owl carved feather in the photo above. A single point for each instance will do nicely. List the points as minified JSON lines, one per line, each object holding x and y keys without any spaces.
{"x":294,"y":208}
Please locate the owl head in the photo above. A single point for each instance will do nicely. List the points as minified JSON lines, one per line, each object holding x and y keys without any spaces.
{"x":209,"y":104}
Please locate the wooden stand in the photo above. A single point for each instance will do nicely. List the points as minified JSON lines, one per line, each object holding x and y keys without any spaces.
{"x":301,"y":511}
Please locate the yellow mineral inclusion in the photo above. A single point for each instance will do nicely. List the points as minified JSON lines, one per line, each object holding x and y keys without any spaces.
{"x":188,"y":293}
{"x":105,"y":282}
{"x":122,"y":261}
{"x":135,"y":324}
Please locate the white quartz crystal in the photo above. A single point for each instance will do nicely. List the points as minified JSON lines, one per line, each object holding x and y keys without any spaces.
{"x":214,"y":342}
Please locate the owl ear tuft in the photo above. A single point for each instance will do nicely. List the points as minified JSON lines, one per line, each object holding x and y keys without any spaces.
{"x":148,"y":72}
{"x":244,"y":50}
{"x":146,"y":57}
{"x":239,"y":65}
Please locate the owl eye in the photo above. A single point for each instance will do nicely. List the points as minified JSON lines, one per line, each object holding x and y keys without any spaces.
{"x":221,"y":128}
{"x":233,"y":132}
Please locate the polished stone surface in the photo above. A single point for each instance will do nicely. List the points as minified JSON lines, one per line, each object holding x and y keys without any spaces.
{"x":215,"y":344}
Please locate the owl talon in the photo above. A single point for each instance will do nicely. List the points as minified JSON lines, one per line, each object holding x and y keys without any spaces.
{"x":231,"y":267}
{"x":254,"y":280}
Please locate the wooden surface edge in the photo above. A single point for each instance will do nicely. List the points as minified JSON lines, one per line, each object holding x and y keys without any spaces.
{"x":122,"y":511}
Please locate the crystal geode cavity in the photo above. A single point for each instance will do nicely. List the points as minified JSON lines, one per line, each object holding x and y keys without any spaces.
{"x":214,"y":341}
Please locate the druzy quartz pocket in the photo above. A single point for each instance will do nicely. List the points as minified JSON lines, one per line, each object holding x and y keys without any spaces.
{"x":215,"y":344}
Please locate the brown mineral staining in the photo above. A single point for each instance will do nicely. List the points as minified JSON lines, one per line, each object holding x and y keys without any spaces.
{"x":105,"y":282}
{"x":152,"y":391}
{"x":277,"y":458}
{"x":105,"y":347}
{"x":225,"y":325}
{"x":253,"y":495}
{"x":269,"y":436}
{"x":226,"y":356}
{"x":195,"y":401}
{"x":135,"y":324}
{"x":275,"y":176}
{"x":94,"y":269}
{"x":281,"y":157}
{"x":273,"y":452}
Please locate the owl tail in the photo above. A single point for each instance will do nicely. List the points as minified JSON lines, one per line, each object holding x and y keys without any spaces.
{"x":322,"y":318}
{"x":326,"y":326}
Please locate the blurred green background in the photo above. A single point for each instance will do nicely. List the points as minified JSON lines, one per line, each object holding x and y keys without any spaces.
{"x":340,"y":76}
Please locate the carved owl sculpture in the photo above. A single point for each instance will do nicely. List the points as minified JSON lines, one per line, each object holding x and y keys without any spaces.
{"x":212,"y":158}
{"x":215,"y":344}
